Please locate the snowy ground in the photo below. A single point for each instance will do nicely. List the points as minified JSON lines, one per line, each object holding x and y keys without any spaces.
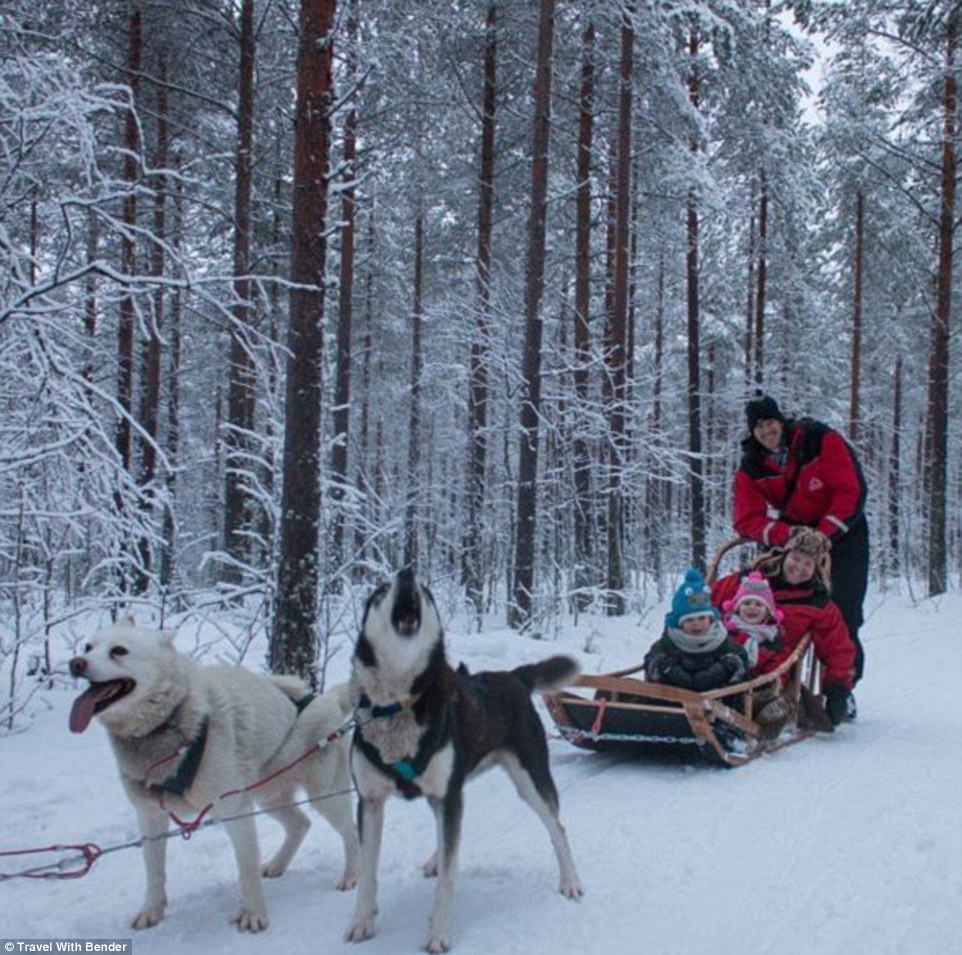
{"x":844,"y":844}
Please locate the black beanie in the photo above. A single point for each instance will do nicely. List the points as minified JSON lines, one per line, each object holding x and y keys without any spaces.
{"x":762,"y":408}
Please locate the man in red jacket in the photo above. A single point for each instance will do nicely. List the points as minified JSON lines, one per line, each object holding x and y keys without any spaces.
{"x":803,"y":473}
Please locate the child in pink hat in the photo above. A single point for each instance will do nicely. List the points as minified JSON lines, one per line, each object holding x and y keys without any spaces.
{"x":754,"y":621}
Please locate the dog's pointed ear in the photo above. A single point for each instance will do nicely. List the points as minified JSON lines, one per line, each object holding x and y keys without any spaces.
{"x":167,"y":637}
{"x":127,"y":621}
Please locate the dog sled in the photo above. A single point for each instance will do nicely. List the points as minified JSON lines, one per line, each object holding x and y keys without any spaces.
{"x":729,"y":726}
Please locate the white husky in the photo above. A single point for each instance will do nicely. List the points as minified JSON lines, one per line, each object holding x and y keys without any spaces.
{"x":187,"y":737}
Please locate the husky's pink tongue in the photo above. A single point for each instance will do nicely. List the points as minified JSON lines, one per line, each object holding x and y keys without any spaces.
{"x":82,"y":711}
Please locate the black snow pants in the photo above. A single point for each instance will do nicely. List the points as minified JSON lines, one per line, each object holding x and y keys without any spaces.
{"x":850,"y":556}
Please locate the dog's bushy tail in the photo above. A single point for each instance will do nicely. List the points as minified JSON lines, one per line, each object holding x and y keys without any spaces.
{"x":291,"y":686}
{"x":548,"y":675}
{"x":343,"y":694}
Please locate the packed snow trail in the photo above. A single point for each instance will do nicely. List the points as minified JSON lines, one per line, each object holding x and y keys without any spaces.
{"x":841,"y":845}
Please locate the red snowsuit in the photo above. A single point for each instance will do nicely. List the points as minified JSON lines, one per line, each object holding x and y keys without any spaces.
{"x":769,"y":653}
{"x":808,"y":609}
{"x":820,"y":486}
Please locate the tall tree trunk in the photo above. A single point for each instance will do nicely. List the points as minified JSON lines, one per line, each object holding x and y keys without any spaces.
{"x":895,"y":474}
{"x":473,"y":551}
{"x":519,"y":612}
{"x":750,"y":297}
{"x":34,"y":236}
{"x":268,"y":519}
{"x":91,"y":301}
{"x":242,"y":374}
{"x":938,"y":397}
{"x":91,"y":314}
{"x":758,"y":334}
{"x":128,"y":253}
{"x":365,"y":485}
{"x":611,"y":219}
{"x":345,"y":317}
{"x":168,"y":558}
{"x":854,"y":414}
{"x":657,"y":488}
{"x":414,"y":413}
{"x":150,"y":386}
{"x":696,"y":465}
{"x":584,"y":551}
{"x":617,"y":337}
{"x":294,"y":641}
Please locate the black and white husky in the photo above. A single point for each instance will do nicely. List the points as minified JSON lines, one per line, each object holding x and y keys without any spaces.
{"x":424,"y":729}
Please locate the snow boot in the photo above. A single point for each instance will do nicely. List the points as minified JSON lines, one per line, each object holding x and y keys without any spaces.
{"x":812,"y":715}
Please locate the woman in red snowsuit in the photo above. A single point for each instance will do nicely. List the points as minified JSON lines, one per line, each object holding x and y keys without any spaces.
{"x":795,"y":575}
{"x":803,"y":473}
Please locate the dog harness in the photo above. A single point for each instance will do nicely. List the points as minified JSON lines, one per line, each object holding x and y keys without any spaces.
{"x":193,"y":753}
{"x":183,"y":779}
{"x":404,"y":772}
{"x":380,"y":712}
{"x":303,"y":703}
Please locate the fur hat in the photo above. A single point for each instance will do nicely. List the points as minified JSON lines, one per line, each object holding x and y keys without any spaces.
{"x":692,"y":599}
{"x":808,"y":541}
{"x":754,"y":587}
{"x":762,"y":408}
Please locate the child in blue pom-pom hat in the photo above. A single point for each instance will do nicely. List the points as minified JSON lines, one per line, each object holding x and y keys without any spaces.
{"x":695,"y":652}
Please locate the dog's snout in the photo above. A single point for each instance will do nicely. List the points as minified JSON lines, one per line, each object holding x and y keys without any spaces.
{"x":78,"y":666}
{"x":406,"y":612}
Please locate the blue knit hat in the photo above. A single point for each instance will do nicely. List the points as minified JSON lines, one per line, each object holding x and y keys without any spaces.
{"x":692,"y":599}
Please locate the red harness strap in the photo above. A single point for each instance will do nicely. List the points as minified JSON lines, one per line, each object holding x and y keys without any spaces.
{"x":600,"y":718}
{"x":88,"y":850}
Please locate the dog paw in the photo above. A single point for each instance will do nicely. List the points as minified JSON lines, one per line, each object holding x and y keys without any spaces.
{"x":273,"y":870}
{"x":439,"y":929}
{"x":347,"y":882}
{"x":361,"y":929}
{"x":430,"y":868}
{"x":247,"y":921}
{"x":437,"y":943}
{"x":572,"y":890}
{"x":148,"y":918}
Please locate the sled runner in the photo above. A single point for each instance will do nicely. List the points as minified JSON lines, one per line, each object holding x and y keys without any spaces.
{"x":729,"y":726}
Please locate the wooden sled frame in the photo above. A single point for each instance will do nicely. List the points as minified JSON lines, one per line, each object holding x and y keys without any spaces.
{"x":630,"y":713}
{"x":627,"y":712}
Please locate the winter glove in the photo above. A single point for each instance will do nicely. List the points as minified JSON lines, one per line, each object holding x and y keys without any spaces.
{"x":677,"y":675}
{"x":735,"y":666}
{"x":836,"y":696}
{"x":661,"y":667}
{"x":711,"y":677}
{"x":721,"y":672}
{"x":811,"y":714}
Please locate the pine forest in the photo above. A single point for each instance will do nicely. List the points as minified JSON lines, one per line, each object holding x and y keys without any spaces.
{"x":298,"y":292}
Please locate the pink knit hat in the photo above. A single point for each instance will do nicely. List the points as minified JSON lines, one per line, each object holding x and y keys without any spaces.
{"x":754,"y":587}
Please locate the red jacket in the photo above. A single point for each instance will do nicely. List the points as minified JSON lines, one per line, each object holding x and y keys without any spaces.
{"x":769,"y":654}
{"x":820,"y":485}
{"x":807,"y":609}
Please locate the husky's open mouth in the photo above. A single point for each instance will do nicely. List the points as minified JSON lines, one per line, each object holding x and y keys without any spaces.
{"x":95,"y":699}
{"x":406,"y":610}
